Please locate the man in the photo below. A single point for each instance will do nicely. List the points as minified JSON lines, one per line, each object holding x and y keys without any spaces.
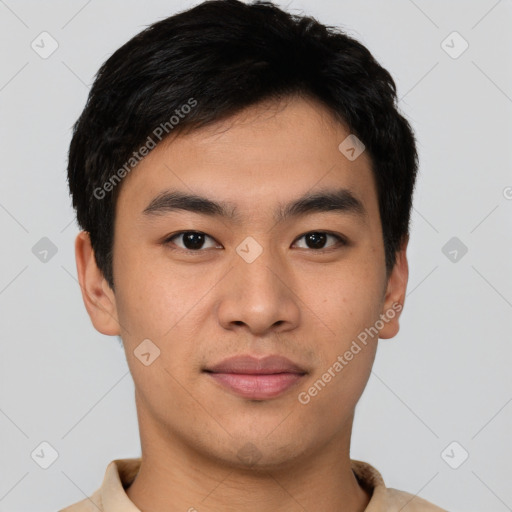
{"x":244,"y":182}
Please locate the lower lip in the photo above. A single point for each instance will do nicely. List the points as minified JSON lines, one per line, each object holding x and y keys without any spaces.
{"x":257,"y":387}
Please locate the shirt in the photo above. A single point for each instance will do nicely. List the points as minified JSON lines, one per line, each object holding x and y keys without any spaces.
{"x":120,"y":473}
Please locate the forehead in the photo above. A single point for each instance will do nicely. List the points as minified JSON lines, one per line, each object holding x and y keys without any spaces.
{"x":268,"y":154}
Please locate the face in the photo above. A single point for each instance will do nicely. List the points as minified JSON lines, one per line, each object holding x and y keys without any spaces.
{"x":258,"y":263}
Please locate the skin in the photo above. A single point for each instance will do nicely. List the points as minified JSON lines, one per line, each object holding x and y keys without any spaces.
{"x":293,"y":300}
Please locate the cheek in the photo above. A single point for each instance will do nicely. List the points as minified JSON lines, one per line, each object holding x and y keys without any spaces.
{"x":350,"y":307}
{"x":159,"y":309}
{"x":168,"y":307}
{"x":347,"y":299}
{"x":150,"y":296}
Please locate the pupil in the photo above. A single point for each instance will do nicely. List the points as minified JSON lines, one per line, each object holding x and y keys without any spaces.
{"x":193,"y":240}
{"x":316,"y":240}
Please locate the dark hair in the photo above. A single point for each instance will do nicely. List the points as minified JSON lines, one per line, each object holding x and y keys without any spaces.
{"x":217,"y":59}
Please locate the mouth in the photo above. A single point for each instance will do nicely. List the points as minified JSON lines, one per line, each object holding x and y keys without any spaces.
{"x":256,"y":379}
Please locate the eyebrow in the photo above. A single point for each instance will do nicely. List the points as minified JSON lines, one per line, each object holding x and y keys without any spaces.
{"x":341,"y":200}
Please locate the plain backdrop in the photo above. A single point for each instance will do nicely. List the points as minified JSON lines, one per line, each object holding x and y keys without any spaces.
{"x":440,"y":391}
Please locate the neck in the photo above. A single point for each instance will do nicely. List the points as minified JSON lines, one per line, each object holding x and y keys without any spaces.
{"x":176,"y":477}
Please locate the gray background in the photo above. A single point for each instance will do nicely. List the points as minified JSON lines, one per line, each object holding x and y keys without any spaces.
{"x":444,"y":378}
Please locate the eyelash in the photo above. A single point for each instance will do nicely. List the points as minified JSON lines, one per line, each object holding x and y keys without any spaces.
{"x":341,"y":241}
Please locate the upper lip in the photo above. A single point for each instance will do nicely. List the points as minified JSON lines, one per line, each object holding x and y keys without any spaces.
{"x":251,"y":365}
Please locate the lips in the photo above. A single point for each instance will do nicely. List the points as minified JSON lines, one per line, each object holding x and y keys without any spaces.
{"x":256,"y":378}
{"x":253,"y":366}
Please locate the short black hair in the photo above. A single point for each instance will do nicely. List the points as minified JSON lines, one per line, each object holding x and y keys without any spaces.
{"x":212,"y":61}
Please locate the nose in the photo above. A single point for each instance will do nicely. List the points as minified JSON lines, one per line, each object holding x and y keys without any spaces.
{"x":259,"y":296}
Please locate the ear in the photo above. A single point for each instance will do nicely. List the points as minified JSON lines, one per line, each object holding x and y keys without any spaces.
{"x":395,"y":294}
{"x":98,"y":297}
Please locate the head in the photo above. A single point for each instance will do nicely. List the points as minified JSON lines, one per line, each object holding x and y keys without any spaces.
{"x":224,"y":213}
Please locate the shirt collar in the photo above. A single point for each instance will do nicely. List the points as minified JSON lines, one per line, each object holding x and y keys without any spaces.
{"x":120,"y":473}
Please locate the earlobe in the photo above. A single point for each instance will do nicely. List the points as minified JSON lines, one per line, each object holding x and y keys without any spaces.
{"x":98,"y":297}
{"x":395,"y":294}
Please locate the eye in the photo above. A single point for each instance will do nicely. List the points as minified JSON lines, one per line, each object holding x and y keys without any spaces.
{"x":318,"y":239}
{"x":191,"y":240}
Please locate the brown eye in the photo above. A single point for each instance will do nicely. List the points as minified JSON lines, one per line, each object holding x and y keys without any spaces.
{"x":318,"y":239}
{"x":192,"y":240}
